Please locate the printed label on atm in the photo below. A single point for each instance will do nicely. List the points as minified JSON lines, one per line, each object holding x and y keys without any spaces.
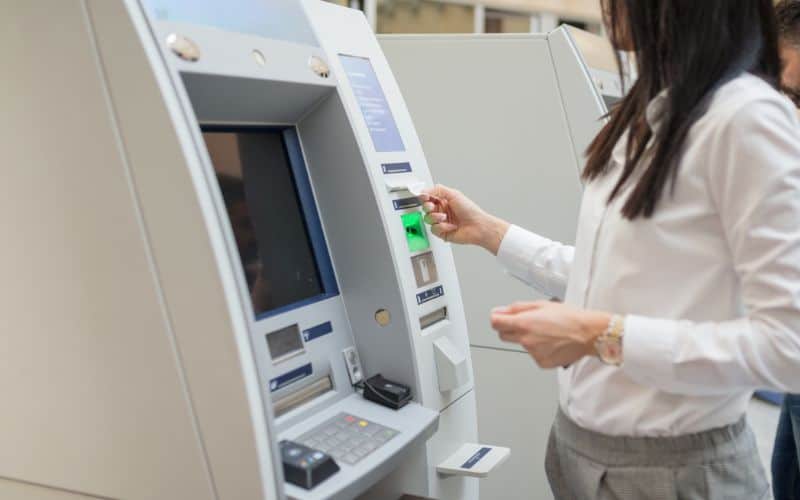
{"x":396,"y":168}
{"x":406,"y":203}
{"x":474,"y":459}
{"x":428,"y":295}
{"x":291,"y":377}
{"x":317,"y":331}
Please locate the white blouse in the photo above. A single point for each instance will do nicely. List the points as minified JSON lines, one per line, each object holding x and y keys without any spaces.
{"x":710,"y":283}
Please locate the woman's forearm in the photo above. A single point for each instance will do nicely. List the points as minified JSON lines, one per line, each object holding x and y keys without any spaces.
{"x":494,"y":230}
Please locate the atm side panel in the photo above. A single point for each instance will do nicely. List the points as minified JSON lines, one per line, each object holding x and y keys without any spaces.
{"x":93,"y":396}
{"x":582,"y":102}
{"x":195,"y":272}
{"x":348,"y":41}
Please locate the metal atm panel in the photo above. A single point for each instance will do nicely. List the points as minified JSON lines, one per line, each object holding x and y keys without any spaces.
{"x":175,"y":354}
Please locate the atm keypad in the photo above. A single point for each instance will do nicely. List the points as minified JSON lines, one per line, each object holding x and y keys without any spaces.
{"x":347,"y":438}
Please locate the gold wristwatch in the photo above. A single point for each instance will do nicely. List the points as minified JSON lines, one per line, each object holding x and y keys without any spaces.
{"x":609,"y":344}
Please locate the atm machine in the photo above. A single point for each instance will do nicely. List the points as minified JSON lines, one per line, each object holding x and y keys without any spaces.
{"x":506,"y":119}
{"x":217,"y":283}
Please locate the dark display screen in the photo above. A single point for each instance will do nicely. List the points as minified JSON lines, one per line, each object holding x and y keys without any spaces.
{"x":267,"y":216}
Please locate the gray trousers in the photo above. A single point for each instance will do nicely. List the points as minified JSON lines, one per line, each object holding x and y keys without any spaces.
{"x":713,"y":465}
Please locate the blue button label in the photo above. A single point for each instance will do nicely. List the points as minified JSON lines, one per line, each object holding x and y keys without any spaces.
{"x":317,"y":331}
{"x":474,"y":459}
{"x":427,"y":295}
{"x":396,"y":168}
{"x":291,"y":377}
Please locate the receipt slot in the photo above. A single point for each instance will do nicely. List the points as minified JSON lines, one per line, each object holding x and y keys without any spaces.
{"x":474,"y":460}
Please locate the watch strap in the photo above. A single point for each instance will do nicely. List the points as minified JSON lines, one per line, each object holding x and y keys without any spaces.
{"x":609,"y":344}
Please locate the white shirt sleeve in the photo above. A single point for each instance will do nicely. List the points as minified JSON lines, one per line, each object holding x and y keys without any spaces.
{"x":754,"y":180}
{"x":541,"y":263}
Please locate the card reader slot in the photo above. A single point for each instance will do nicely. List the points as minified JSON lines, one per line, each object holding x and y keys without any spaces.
{"x":432,"y":318}
{"x":302,"y":396}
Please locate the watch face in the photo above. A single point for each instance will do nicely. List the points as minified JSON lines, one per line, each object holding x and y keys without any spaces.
{"x":614,"y":353}
{"x":610,"y":350}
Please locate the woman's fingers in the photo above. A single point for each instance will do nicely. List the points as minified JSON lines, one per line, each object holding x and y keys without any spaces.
{"x":438,"y":211}
{"x":428,"y":206}
{"x":518,"y":307}
{"x":434,"y":205}
{"x":442,"y":229}
{"x":504,"y":322}
{"x":436,"y":199}
{"x":508,"y":337}
{"x":435,"y":218}
{"x":438,"y":191}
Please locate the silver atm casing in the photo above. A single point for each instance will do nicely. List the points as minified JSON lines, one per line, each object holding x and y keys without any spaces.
{"x":135,"y":380}
{"x":506,"y":119}
{"x":143,"y":375}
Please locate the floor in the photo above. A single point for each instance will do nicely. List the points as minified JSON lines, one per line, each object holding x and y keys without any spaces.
{"x":763,"y":418}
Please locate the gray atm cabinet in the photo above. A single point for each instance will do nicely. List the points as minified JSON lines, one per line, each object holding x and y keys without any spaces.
{"x":139,"y":362}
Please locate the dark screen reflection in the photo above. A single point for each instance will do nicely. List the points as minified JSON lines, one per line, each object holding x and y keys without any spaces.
{"x":266,"y":217}
{"x":239,"y":214}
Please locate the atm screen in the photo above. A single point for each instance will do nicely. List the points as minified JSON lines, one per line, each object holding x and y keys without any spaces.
{"x":265,"y":207}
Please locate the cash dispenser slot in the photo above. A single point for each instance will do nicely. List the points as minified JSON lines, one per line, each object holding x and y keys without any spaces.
{"x":433,"y":318}
{"x":303,"y":395}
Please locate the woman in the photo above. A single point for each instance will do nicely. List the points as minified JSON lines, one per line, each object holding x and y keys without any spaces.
{"x":682,"y":293}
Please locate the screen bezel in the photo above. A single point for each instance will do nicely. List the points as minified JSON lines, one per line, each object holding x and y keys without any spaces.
{"x":308,"y":207}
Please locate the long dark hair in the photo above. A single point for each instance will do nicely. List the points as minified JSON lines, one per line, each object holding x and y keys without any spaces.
{"x":690,"y":47}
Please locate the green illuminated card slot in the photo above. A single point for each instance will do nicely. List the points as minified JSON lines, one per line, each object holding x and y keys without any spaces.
{"x":415,"y":232}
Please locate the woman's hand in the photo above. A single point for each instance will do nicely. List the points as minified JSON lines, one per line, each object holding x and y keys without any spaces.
{"x":457,"y":219}
{"x":554,"y":334}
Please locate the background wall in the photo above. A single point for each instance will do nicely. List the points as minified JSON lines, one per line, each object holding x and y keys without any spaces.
{"x":424,"y":16}
{"x":477,"y":16}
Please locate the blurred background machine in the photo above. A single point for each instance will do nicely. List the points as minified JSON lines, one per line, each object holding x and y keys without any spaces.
{"x":507,"y":119}
{"x":478,"y":16}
